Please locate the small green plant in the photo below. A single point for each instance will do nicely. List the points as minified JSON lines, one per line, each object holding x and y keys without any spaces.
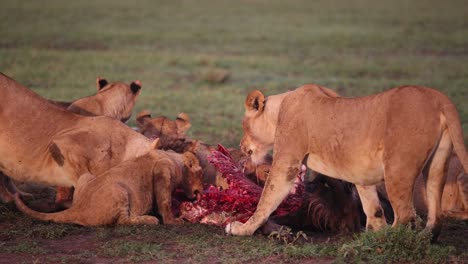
{"x":287,"y":237}
{"x":394,"y":244}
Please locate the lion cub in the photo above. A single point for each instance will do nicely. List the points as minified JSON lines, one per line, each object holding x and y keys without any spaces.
{"x":171,"y":133}
{"x":172,"y":136}
{"x":125,"y":193}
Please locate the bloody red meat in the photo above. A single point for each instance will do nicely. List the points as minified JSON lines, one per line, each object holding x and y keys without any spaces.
{"x":239,"y":202}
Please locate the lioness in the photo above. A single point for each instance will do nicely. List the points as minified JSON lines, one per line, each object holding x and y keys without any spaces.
{"x":114,"y":100}
{"x":389,"y":136}
{"x":124,"y":194}
{"x":454,"y":201}
{"x":42,"y":143}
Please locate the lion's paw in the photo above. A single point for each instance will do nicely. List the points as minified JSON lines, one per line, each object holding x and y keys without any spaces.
{"x":238,"y":229}
{"x":174,"y":221}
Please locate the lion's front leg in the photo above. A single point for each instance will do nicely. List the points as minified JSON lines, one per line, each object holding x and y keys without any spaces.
{"x":162,"y":189}
{"x":277,"y":187}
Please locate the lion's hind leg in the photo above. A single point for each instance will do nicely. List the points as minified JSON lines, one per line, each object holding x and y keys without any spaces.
{"x":436,"y":176}
{"x":122,"y":207}
{"x":138,"y":220}
{"x":125,"y":216}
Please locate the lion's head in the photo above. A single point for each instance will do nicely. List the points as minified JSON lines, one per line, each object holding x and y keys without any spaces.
{"x":114,"y":100}
{"x":170,"y":132}
{"x":259,"y":124}
{"x":193,"y":176}
{"x":260,"y":121}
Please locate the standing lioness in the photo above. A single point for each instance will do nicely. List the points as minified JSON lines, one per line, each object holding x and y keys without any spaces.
{"x":391,"y":136}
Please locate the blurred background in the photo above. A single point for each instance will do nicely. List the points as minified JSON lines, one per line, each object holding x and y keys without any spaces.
{"x":203,"y":57}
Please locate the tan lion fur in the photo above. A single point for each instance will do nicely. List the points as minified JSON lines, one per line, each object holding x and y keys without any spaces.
{"x":114,"y":100}
{"x":45,"y":144}
{"x":388,"y":136}
{"x":172,"y":135}
{"x":170,"y":132}
{"x":125,"y":193}
{"x":454,"y":201}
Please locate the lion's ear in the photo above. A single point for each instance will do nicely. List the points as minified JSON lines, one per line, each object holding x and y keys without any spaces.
{"x":135,"y":86}
{"x":183,"y":123}
{"x":101,"y":83}
{"x":193,"y":146}
{"x":255,"y":102}
{"x":155,"y":144}
{"x":329,"y":92}
{"x":142,"y":118}
{"x":189,"y":159}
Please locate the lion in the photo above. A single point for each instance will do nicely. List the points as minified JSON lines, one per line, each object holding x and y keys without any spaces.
{"x":42,"y":143}
{"x":114,"y":100}
{"x":454,"y":201}
{"x":172,"y":135}
{"x":124,"y":194}
{"x":455,"y":193}
{"x":170,"y":132}
{"x":391,"y":136}
{"x":117,"y":104}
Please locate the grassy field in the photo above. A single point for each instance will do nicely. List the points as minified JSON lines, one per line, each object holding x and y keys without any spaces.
{"x":202,"y":58}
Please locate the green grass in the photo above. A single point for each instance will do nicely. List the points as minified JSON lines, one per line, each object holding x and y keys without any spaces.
{"x":358,"y":48}
{"x":394,"y":245}
{"x":29,"y":247}
{"x":134,"y":250}
{"x":202,"y":58}
{"x":196,"y":243}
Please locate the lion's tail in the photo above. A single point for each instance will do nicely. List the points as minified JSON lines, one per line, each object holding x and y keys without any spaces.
{"x":59,"y":217}
{"x":456,"y":133}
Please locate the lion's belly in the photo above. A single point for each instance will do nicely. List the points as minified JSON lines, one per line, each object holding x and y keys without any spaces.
{"x":365,"y":171}
{"x":25,"y":170}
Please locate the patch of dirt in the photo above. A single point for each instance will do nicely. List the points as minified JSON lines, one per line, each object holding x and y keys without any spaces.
{"x":454,"y":233}
{"x":74,"y":244}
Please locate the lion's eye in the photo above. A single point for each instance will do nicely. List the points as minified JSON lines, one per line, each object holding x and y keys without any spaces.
{"x":250,"y":152}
